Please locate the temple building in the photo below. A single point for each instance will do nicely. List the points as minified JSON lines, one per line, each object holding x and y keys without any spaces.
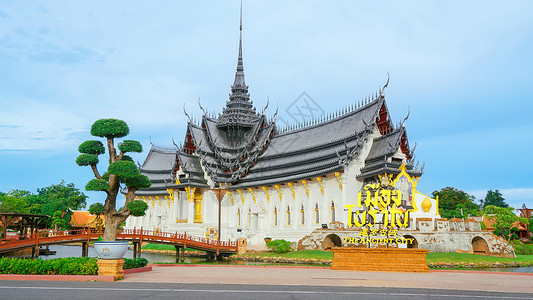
{"x":279,"y":183}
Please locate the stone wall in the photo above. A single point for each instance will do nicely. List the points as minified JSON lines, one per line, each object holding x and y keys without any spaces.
{"x":436,"y":235}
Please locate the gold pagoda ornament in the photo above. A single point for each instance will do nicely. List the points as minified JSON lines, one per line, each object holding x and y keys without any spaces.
{"x":426,"y":205}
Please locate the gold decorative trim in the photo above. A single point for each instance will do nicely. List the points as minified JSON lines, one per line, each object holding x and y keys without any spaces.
{"x":292,"y":190}
{"x":252,"y":192}
{"x":266,"y":193}
{"x":279,"y":192}
{"x":319,"y":179}
{"x":231,"y":198}
{"x":190,"y":193}
{"x":171,"y":194}
{"x":338,"y":175}
{"x":306,"y":187}
{"x":413,"y":181}
{"x":242,"y":197}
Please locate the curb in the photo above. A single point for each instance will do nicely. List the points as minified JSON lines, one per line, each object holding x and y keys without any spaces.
{"x":480,"y":272}
{"x":137,"y":270}
{"x":70,"y":277}
{"x":322,"y":267}
{"x":239,"y":266}
{"x":57,"y":277}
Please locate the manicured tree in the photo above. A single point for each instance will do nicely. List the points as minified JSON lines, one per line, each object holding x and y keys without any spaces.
{"x":121,"y":171}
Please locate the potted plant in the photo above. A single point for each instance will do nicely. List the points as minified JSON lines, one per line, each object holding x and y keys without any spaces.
{"x":122,"y":175}
{"x":267,"y":239}
{"x":106,"y":249}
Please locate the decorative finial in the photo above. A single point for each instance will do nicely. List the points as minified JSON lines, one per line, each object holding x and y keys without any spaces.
{"x":185,"y":112}
{"x":382,"y":93}
{"x":201,"y":106}
{"x":266,"y":106}
{"x":408,"y":112}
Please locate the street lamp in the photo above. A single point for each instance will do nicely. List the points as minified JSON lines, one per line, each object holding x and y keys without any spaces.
{"x":220,"y":194}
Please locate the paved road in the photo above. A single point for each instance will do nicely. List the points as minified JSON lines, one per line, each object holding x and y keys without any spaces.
{"x":273,"y":275}
{"x":13,"y":290}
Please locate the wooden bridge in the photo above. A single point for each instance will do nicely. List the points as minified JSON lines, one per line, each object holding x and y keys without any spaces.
{"x":181,"y":241}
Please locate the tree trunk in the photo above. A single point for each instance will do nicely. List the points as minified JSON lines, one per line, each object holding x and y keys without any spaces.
{"x":112,"y":222}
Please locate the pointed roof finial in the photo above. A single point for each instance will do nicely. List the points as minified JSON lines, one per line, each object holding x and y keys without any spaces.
{"x":382,"y":93}
{"x":240,"y":66}
{"x":407,"y":117}
{"x":203,"y":110}
{"x":185,"y":112}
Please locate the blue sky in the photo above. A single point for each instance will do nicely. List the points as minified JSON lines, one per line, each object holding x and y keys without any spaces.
{"x":462,"y":67}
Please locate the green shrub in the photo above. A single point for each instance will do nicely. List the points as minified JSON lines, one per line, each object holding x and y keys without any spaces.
{"x":279,"y":246}
{"x":135,"y":263}
{"x":58,"y":266}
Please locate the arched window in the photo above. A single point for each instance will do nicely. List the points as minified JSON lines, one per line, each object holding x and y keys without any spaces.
{"x":288,"y":215}
{"x":332,"y":212}
{"x":249,"y":216}
{"x":238,"y":217}
{"x":302,"y":215}
{"x":275,"y":216}
{"x":317,"y":218}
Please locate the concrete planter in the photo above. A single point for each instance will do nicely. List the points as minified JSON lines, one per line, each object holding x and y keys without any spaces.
{"x":111,"y":249}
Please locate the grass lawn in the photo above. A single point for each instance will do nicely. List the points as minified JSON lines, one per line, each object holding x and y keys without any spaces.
{"x":431,"y":257}
{"x":474,"y":258}
{"x":305,"y":254}
{"x":153,"y":246}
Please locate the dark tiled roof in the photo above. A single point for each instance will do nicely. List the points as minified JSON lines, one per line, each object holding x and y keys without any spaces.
{"x":313,"y":151}
{"x":382,"y":148}
{"x":159,"y":166}
{"x":228,"y":159}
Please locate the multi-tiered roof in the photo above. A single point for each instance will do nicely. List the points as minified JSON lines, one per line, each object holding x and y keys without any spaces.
{"x":242,"y":148}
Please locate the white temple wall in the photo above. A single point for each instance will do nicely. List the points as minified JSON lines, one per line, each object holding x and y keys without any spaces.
{"x":257,"y":220}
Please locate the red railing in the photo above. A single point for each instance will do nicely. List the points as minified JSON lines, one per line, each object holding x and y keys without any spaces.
{"x":44,"y":237}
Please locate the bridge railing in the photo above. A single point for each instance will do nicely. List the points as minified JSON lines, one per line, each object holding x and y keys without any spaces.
{"x":48,"y":236}
{"x":175,"y":236}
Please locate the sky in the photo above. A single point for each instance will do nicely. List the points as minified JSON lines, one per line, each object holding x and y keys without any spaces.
{"x":462,"y":69}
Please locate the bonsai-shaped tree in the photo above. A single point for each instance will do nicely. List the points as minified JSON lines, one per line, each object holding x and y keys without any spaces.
{"x":121,"y":171}
{"x":97,"y":209}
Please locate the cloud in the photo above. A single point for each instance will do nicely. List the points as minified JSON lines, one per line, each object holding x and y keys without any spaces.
{"x":37,"y":125}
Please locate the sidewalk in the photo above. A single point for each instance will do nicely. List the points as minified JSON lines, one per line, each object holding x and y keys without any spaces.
{"x":318,"y":276}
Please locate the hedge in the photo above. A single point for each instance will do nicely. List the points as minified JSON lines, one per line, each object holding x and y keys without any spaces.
{"x":59,"y":266}
{"x":523,"y":249}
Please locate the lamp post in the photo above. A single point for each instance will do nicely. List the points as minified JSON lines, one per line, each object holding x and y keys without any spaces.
{"x":220,"y":194}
